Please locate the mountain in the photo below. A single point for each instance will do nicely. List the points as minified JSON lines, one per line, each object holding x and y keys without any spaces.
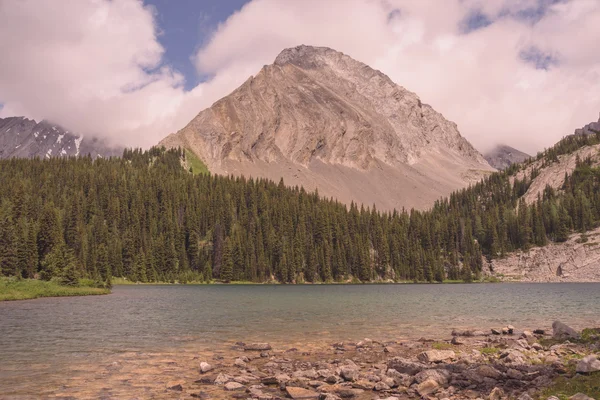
{"x":322,"y":120}
{"x":25,"y":138}
{"x":570,"y":170}
{"x":502,"y":157}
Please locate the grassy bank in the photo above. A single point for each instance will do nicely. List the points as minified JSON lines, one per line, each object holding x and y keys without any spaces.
{"x":22,"y":289}
{"x":195,"y":163}
{"x":563,"y":387}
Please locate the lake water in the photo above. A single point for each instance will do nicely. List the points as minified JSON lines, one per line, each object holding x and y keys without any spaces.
{"x":39,"y":338}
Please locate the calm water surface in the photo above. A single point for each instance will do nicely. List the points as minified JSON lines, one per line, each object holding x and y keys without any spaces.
{"x":59,"y":331}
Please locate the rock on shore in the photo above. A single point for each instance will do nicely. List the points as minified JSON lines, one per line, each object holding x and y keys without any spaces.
{"x":482,"y":365}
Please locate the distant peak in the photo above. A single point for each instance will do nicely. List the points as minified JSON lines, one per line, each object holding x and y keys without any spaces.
{"x":304,"y":55}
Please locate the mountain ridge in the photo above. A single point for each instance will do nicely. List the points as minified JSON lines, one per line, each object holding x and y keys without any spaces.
{"x":589,"y":129}
{"x":503,"y":156}
{"x":25,"y":138}
{"x":319,"y":119}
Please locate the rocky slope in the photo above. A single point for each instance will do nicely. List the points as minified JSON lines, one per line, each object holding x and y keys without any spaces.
{"x":22,"y":137}
{"x":502,"y":156}
{"x":553,"y":174}
{"x":576,"y":260}
{"x":320,"y":119}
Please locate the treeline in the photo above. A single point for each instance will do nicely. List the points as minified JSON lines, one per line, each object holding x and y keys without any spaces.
{"x":145,"y":218}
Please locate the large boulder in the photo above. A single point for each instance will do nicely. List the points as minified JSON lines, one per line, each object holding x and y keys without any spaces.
{"x":513,"y":357}
{"x":222,"y":379}
{"x":381,"y":386}
{"x":400,"y":379}
{"x":309,"y":374}
{"x":364,"y":385}
{"x":233,"y":386}
{"x":563,"y":331}
{"x":427,"y":387}
{"x":434,"y":356}
{"x":175,"y":385}
{"x":205,"y":367}
{"x":349,"y":373}
{"x":300,"y":393}
{"x":487,"y":371}
{"x":496,"y":394}
{"x":588,"y":365}
{"x":457,"y":341}
{"x":405,"y":366}
{"x":441,"y":376}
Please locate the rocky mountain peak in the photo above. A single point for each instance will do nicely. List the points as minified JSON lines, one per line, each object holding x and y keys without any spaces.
{"x":310,"y":57}
{"x":320,"y":119}
{"x":503,"y":156}
{"x":25,"y":138}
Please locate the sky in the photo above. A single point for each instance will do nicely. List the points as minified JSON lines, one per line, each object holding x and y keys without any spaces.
{"x":519,"y":72}
{"x":185,"y":25}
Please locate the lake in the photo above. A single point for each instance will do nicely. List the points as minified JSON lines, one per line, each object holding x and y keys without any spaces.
{"x":40,"y":339}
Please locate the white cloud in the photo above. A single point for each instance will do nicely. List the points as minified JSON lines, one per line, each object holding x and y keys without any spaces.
{"x":477,"y":79}
{"x":95,"y":66}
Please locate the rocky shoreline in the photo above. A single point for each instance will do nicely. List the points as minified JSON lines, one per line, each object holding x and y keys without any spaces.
{"x":497,"y":364}
{"x":576,"y":260}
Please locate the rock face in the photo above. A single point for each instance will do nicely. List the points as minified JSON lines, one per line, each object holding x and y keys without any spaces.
{"x":320,"y":119}
{"x":589,"y":129}
{"x":24,"y":138}
{"x":571,"y":261}
{"x":502,"y":156}
{"x":575,"y":260}
{"x":553,"y":175}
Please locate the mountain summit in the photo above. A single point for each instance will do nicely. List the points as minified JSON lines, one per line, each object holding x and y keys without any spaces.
{"x":503,"y":156}
{"x":320,"y":119}
{"x":25,"y":138}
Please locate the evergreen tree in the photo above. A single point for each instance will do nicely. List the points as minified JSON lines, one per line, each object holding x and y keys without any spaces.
{"x":102,"y":262}
{"x":60,"y":262}
{"x":9,"y":261}
{"x":144,"y":215}
{"x":49,"y":232}
{"x":226,"y":271}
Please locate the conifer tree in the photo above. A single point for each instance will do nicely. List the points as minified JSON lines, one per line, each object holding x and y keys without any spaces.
{"x":226,"y":271}
{"x":9,"y":261}
{"x":49,"y":231}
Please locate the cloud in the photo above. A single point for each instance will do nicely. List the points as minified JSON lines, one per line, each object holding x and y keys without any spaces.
{"x":522,"y":72}
{"x":93,"y":66}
